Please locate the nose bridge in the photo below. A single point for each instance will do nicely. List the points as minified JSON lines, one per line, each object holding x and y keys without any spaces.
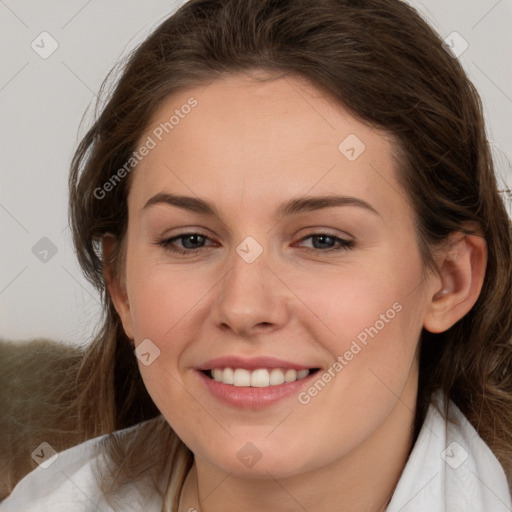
{"x":250,"y":297}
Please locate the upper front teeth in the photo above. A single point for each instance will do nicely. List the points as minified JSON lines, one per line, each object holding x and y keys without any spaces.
{"x":260,"y":378}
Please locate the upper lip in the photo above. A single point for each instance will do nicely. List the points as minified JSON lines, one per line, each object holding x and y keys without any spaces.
{"x":252,"y":363}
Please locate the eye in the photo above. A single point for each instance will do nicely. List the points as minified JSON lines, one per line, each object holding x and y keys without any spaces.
{"x":325,"y":242}
{"x":192,"y":243}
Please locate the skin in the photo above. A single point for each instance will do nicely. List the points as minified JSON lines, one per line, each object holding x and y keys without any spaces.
{"x":247,"y":148}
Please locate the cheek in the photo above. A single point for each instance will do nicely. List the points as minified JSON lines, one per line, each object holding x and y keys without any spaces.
{"x":369,"y":317}
{"x":161,"y":298}
{"x":162,"y":305}
{"x":359,"y":302}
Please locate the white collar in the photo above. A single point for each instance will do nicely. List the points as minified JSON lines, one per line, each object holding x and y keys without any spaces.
{"x":450,"y":469}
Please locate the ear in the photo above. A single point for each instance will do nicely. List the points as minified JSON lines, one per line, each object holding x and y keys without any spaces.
{"x":461,"y":271}
{"x":116,"y":284}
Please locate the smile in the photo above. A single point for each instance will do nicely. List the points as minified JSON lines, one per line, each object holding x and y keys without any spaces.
{"x":254,"y":382}
{"x":259,"y":378}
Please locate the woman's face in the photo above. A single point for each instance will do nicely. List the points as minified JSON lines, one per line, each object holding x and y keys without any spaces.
{"x":235,"y":264}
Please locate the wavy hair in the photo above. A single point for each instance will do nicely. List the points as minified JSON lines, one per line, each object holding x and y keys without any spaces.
{"x":388,"y":67}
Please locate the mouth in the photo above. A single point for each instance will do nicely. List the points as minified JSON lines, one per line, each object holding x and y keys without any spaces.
{"x":254,"y":383}
{"x":258,"y":378}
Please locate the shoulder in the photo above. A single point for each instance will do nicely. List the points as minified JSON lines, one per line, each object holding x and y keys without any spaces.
{"x":451,"y":468}
{"x":68,"y":482}
{"x":60,"y":482}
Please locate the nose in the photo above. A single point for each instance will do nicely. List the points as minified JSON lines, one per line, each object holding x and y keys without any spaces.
{"x":251,"y":299}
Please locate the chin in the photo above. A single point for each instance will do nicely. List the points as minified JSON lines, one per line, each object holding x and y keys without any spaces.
{"x":262,"y":459}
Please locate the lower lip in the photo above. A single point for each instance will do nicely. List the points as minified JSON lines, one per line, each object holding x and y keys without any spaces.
{"x":253,"y":398}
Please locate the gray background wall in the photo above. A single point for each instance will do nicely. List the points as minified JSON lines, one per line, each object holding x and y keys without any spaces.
{"x":43,"y":98}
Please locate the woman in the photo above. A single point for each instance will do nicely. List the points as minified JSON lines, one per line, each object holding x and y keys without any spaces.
{"x":291,"y":212}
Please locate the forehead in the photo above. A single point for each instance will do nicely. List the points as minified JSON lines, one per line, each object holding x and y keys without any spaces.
{"x":241,"y":136}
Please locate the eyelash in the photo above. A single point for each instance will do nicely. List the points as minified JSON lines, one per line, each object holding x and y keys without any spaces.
{"x":344,"y":245}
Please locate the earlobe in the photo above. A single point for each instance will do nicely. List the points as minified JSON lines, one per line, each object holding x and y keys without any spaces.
{"x":462,"y":272}
{"x":115,"y":284}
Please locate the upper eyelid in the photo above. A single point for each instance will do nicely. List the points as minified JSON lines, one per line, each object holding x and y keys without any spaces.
{"x":314,"y":231}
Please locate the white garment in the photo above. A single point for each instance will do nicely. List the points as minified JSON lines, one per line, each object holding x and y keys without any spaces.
{"x":450,"y":469}
{"x":69,"y":485}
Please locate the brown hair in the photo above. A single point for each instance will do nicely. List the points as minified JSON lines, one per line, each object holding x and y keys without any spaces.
{"x":381,"y":61}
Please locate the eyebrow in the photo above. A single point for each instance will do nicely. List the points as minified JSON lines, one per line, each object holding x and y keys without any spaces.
{"x":292,"y":207}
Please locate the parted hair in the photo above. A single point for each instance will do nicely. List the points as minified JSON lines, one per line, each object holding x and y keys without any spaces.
{"x":381,"y":61}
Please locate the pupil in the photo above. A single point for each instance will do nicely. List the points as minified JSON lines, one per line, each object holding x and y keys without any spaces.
{"x":324,"y":239}
{"x":195,"y":240}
